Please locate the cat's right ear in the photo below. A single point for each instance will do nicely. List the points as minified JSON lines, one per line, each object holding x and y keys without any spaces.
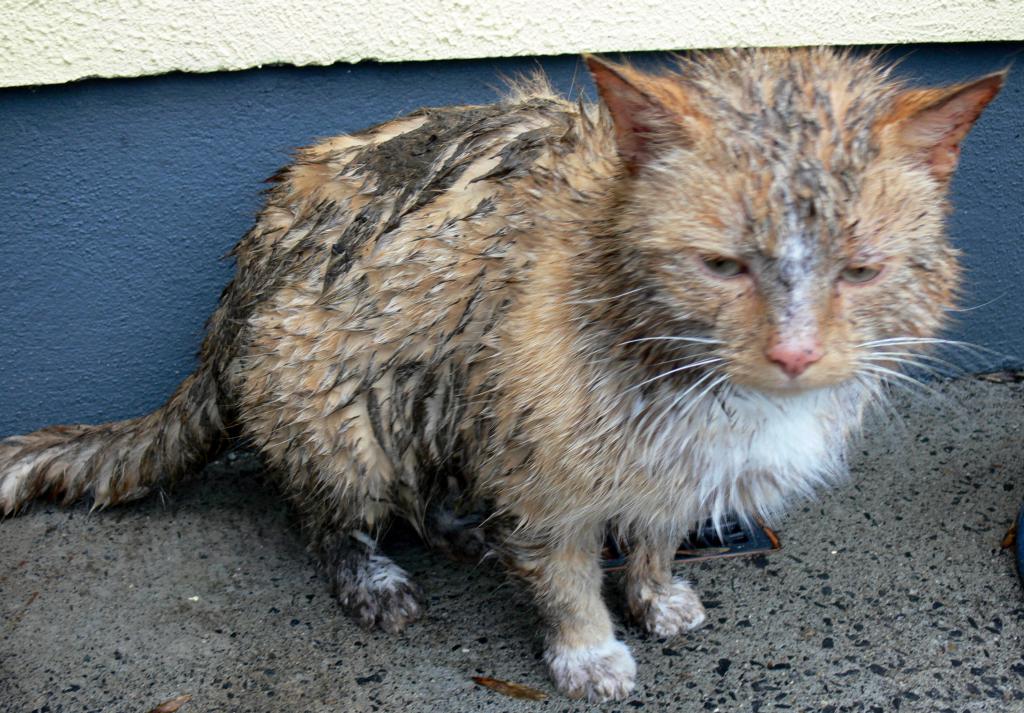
{"x":643,"y":122}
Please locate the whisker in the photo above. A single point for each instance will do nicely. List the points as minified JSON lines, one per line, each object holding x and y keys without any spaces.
{"x":912,"y":356}
{"x":983,"y":304}
{"x":895,"y":341}
{"x":978,"y":355}
{"x":891,"y":373}
{"x":707,"y":390}
{"x":890,"y":386}
{"x":918,"y":355}
{"x":908,"y":362}
{"x":689,"y":356}
{"x":713,"y":360}
{"x":696,"y":340}
{"x":879,"y":399}
{"x":901,"y":381}
{"x":653,"y":428}
{"x":888,"y":372}
{"x":595,"y":300}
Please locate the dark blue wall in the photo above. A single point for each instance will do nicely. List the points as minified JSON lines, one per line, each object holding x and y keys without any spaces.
{"x":120,"y":196}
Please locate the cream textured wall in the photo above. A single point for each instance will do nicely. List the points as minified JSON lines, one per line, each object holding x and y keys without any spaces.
{"x":53,"y":41}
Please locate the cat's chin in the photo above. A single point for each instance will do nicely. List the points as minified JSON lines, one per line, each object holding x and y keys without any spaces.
{"x":790,"y":387}
{"x":773,"y":381}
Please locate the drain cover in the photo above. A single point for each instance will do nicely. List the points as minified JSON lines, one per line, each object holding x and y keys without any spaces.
{"x":733,"y":538}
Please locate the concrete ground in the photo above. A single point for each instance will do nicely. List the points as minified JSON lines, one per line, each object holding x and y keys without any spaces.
{"x":890,"y":594}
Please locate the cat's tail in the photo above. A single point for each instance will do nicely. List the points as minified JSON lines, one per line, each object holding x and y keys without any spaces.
{"x":118,"y":461}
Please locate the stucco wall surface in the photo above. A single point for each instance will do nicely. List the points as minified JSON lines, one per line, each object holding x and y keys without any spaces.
{"x":47,"y":41}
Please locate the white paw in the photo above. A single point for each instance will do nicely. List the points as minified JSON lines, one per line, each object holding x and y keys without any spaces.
{"x":598,"y":673}
{"x":673,"y":610}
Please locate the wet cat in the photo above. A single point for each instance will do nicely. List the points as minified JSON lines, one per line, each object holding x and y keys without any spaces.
{"x":630,"y":315}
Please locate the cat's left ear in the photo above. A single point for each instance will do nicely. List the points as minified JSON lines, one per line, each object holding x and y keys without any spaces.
{"x":929,"y":124}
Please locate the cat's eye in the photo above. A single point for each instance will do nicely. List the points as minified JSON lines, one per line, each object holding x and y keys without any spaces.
{"x":859,"y":274}
{"x":723,"y":266}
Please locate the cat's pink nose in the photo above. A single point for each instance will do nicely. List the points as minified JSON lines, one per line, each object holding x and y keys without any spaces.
{"x":793,"y":357}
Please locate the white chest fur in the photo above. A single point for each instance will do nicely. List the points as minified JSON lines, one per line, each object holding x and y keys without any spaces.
{"x":745,"y":452}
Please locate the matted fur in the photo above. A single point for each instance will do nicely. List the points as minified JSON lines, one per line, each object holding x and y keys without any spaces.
{"x":511,"y":308}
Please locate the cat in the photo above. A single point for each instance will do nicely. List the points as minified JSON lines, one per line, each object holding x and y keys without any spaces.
{"x":635,"y":314}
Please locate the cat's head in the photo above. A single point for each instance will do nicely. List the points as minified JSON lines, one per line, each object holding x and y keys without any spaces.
{"x":790,"y":205}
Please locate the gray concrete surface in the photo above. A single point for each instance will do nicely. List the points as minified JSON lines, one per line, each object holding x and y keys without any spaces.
{"x":891,"y":594}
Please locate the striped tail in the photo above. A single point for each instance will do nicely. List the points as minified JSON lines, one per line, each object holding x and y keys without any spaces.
{"x":118,"y":461}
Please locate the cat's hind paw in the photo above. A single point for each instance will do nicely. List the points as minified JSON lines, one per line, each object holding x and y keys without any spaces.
{"x":598,"y":673}
{"x":379,"y":594}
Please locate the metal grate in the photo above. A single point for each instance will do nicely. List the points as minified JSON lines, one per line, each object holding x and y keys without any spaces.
{"x":733,"y":538}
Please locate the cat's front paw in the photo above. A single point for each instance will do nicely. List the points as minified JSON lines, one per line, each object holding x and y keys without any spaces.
{"x":598,"y":673}
{"x":670,"y":611}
